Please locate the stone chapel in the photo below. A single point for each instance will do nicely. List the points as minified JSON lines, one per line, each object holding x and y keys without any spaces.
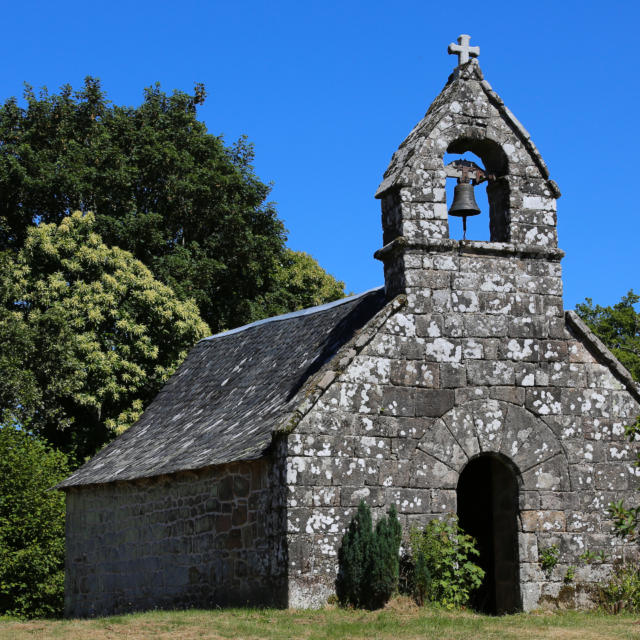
{"x":461,"y":386}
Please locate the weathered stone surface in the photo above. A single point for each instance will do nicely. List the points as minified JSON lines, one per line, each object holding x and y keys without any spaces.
{"x":167,"y":542}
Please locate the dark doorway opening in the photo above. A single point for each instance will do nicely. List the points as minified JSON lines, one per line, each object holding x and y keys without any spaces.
{"x":488,"y":510}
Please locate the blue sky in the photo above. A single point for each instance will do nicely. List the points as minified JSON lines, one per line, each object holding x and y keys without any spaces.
{"x":327,"y":91}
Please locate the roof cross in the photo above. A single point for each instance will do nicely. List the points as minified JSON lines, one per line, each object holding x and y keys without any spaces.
{"x":463,"y":50}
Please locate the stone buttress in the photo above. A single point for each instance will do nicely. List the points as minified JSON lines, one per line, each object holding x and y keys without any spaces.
{"x":472,"y":358}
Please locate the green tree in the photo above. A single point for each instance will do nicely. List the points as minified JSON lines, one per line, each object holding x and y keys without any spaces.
{"x":381,"y":575}
{"x":96,"y":335}
{"x":618,"y":327}
{"x":31,"y":525}
{"x":300,"y":282}
{"x":160,"y":186}
{"x":368,"y":560}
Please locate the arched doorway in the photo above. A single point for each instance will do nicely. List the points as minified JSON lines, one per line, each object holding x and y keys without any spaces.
{"x":488,"y":510}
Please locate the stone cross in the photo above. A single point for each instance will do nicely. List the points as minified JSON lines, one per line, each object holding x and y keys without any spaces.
{"x":463,"y":50}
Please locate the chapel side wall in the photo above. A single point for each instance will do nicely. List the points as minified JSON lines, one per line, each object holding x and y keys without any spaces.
{"x":196,"y":539}
{"x":479,"y":360}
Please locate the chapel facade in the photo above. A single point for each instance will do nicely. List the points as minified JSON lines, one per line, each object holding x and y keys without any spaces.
{"x":462,"y":386}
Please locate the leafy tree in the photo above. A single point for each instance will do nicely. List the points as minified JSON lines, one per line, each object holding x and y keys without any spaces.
{"x":368,"y":560}
{"x":618,"y":327}
{"x":160,"y":186}
{"x":31,"y":525}
{"x":300,"y":282}
{"x":95,"y":335}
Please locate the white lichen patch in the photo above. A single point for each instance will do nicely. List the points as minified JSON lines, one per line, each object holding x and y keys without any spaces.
{"x":442,"y":350}
{"x":367,"y":369}
{"x":295,"y":465}
{"x":496,"y":283}
{"x":472,"y":349}
{"x":465,"y":302}
{"x":528,"y":380}
{"x":433,"y":330}
{"x":403,"y":324}
{"x":322,"y":521}
{"x":520,"y":350}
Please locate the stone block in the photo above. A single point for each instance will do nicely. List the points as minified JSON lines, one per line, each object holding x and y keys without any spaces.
{"x":548,"y":521}
{"x":430,"y":325}
{"x":611,"y":476}
{"x":483,"y":326}
{"x":528,"y":327}
{"x":481,"y":373}
{"x":431,"y":473}
{"x":519,"y":350}
{"x":550,"y":475}
{"x":452,"y":375}
{"x":433,"y":402}
{"x":399,"y":401}
{"x":440,"y":443}
{"x":352,"y":496}
{"x":443,"y":501}
{"x":514,"y":395}
{"x":411,"y":373}
{"x":543,"y":401}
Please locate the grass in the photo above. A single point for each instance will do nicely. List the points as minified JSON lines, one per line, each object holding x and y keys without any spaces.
{"x":399,"y":620}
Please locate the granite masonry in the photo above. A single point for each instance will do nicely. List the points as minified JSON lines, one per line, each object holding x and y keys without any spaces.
{"x":461,"y":387}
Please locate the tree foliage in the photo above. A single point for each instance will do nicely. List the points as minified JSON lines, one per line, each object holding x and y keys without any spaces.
{"x":618,"y":327}
{"x":31,"y":525}
{"x":300,"y":282}
{"x":160,"y":186}
{"x":94,"y":335}
{"x":368,"y":560}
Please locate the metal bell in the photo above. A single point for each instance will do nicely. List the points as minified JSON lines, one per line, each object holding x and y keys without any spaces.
{"x":464,"y":202}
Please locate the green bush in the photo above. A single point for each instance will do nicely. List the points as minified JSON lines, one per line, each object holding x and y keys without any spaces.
{"x":444,"y":570}
{"x":368,"y":560}
{"x":622,"y":592}
{"x":31,"y":525}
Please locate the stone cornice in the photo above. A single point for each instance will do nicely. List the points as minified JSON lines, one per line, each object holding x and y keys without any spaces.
{"x":468,"y":247}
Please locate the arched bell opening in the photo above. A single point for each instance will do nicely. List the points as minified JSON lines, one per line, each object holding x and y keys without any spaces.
{"x":494,"y":163}
{"x":487,"y":496}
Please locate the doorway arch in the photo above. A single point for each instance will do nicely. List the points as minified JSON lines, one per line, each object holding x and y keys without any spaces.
{"x":487,"y":495}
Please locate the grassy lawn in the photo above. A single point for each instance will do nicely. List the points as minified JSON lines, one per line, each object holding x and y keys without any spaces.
{"x":399,"y":620}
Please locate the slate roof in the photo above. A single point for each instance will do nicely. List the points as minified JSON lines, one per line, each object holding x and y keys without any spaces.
{"x":225,"y":400}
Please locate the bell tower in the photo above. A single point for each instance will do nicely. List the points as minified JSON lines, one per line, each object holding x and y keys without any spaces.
{"x":467,"y":116}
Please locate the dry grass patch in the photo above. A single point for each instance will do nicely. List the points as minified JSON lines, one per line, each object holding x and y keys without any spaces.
{"x":400,"y":619}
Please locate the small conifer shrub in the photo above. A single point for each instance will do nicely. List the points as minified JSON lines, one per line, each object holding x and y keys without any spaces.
{"x":368,"y":561}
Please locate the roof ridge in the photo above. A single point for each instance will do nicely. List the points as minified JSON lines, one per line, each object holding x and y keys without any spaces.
{"x":293,"y":314}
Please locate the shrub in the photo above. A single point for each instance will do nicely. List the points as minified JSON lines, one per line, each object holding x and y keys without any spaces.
{"x":368,"y":560}
{"x":622,"y":592}
{"x":444,"y":570}
{"x":31,"y":525}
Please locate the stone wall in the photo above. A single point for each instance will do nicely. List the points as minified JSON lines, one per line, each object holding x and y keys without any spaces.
{"x":198,"y":539}
{"x":478,"y":360}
